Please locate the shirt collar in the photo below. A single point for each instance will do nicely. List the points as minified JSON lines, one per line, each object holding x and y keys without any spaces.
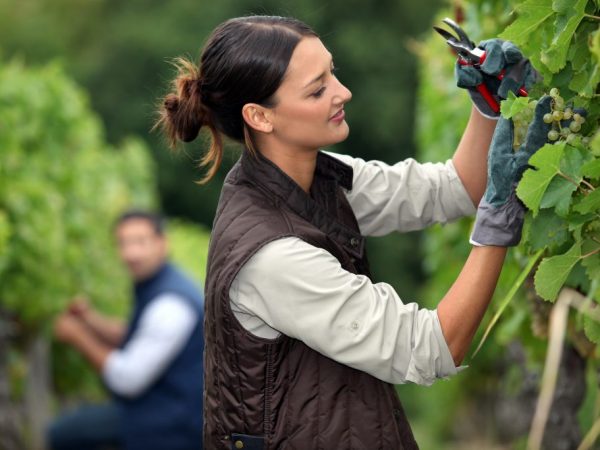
{"x":329,"y":174}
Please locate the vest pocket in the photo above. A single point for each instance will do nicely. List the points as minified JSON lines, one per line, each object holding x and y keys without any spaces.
{"x":247,"y":442}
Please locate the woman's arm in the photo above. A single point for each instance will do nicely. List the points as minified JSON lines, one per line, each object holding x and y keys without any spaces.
{"x":462,"y":308}
{"x":470,"y":158}
{"x":498,"y":225}
{"x":411,"y":196}
{"x":405,"y":196}
{"x":341,"y":315}
{"x":358,"y":323}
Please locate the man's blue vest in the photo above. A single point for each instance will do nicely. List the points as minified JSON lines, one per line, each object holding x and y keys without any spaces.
{"x":168,"y":415}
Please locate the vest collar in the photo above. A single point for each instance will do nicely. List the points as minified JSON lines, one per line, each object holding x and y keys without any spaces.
{"x":320,"y":207}
{"x":163,"y":268}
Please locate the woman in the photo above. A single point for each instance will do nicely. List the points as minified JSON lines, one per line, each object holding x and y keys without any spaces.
{"x":302,"y":349}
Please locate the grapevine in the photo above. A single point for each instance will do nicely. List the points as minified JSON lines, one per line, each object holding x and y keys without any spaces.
{"x":560,"y":190}
{"x":61,"y":185}
{"x":566,"y":120}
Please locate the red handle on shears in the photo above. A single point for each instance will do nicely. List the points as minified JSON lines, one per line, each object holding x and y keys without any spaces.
{"x":522,"y":91}
{"x":483,"y":89}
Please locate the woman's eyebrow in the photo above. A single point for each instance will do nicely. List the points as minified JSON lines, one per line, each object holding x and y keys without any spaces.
{"x":320,"y":76}
{"x":315,"y":80}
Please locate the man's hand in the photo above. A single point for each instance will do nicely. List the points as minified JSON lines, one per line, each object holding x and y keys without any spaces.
{"x":68,"y":328}
{"x":79,"y":306}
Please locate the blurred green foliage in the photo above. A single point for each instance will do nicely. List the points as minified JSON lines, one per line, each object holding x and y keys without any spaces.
{"x":188,"y":247}
{"x":119,"y":51}
{"x":61,"y":185}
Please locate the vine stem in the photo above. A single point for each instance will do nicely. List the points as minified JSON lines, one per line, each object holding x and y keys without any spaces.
{"x":557,"y":329}
{"x":587,"y":183}
{"x":591,"y":16}
{"x":593,"y":252}
{"x":568,"y":298}
{"x":570,"y":180}
{"x":590,"y":437}
{"x":566,"y":177}
{"x":509,"y":296}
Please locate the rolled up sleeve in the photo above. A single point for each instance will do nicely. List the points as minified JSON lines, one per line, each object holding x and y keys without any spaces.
{"x":165,"y":327}
{"x":303,"y":292}
{"x":405,"y":196}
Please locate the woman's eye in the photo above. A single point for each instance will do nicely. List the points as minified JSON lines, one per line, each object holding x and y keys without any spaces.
{"x":319,"y":93}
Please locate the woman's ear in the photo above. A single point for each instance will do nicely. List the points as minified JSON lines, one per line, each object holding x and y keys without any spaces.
{"x":257,"y":117}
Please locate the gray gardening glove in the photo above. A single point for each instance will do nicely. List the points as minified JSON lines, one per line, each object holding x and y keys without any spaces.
{"x":499,"y":219}
{"x":500,"y":55}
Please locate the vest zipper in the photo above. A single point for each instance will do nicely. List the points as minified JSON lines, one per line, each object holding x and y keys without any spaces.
{"x":268,"y":395}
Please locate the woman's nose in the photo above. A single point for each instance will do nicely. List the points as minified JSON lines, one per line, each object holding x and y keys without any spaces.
{"x":343,"y":94}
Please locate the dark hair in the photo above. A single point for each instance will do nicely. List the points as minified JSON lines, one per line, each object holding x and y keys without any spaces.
{"x":157,"y":221}
{"x":243,"y":61}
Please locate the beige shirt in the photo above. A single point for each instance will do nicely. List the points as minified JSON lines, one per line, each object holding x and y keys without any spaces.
{"x":297,"y":289}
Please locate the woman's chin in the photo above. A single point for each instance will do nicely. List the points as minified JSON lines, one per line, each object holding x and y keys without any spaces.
{"x":340,"y":134}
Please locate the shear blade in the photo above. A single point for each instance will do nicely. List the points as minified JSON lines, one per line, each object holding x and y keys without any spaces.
{"x":462,"y":36}
{"x":445,"y":34}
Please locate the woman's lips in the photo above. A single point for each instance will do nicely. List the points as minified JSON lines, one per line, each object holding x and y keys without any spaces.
{"x":339,"y":116}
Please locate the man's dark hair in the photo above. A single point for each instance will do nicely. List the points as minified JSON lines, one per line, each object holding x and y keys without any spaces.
{"x":157,"y":221}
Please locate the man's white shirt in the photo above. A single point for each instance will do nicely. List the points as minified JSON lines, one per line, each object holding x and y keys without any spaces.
{"x":164,"y":329}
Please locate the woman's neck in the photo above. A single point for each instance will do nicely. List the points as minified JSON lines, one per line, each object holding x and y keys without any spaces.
{"x":299,"y":165}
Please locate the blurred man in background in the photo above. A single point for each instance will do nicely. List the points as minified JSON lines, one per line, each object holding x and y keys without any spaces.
{"x":152,"y":365}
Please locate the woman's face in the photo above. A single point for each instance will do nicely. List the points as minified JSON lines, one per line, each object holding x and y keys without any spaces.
{"x":309,"y":111}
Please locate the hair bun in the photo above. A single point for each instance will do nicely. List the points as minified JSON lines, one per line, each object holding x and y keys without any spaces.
{"x":183,"y":113}
{"x":171,"y":103}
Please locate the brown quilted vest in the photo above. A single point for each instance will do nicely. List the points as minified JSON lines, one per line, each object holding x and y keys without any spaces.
{"x":281,"y":394}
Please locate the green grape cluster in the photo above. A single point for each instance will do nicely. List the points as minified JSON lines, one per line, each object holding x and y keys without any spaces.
{"x":566,"y":123}
{"x":521,"y":122}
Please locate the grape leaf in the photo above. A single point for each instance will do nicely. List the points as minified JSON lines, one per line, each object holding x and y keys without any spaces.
{"x":595,"y":144}
{"x":534,"y":183}
{"x":513,"y":105}
{"x":536,"y":43}
{"x":558,"y":195}
{"x":594,"y":39}
{"x":591,"y":329}
{"x":532,"y":31}
{"x":569,"y":15}
{"x":586,"y":81}
{"x":578,"y":278}
{"x":573,"y":159}
{"x":532,"y":14}
{"x":547,"y":230}
{"x":579,"y":51}
{"x":592,"y":262}
{"x":591,"y":169}
{"x":553,"y":271}
{"x":576,"y":221}
{"x":590,"y":203}
{"x":559,"y":191}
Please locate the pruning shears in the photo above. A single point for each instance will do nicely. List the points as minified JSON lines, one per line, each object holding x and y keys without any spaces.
{"x":470,"y":55}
